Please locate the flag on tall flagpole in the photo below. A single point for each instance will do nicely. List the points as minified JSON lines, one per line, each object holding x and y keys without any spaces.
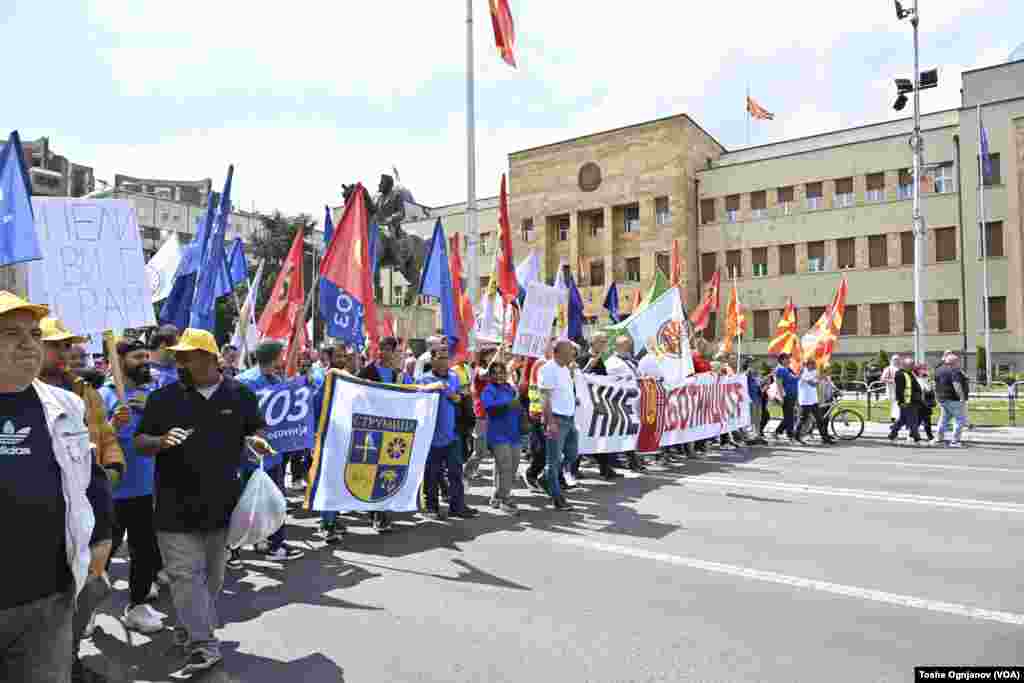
{"x":756,"y":111}
{"x":18,"y":239}
{"x":735,"y":320}
{"x":246,"y":336}
{"x":701,"y":316}
{"x":287,"y":297}
{"x":504,"y":31}
{"x":213,"y":273}
{"x":436,"y":281}
{"x":504,"y":268}
{"x":820,"y":341}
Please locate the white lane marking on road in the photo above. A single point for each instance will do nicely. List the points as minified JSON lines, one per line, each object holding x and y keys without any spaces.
{"x":813,"y":584}
{"x":943,"y":466}
{"x":885,"y":496}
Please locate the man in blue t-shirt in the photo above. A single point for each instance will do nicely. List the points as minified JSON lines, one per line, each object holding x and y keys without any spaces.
{"x":133,"y":498}
{"x":443,"y":448}
{"x":789,"y":384}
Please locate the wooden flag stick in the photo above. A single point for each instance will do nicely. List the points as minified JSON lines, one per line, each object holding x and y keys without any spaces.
{"x":116,"y":371}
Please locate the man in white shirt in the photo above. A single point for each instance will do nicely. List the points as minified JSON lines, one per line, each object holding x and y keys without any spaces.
{"x":807,"y":395}
{"x":559,"y":399}
{"x":622,"y":363}
{"x":433,"y":342}
{"x":648,"y":365}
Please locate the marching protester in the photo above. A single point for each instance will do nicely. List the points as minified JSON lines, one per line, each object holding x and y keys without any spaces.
{"x":623,"y":363}
{"x":268,"y":371}
{"x":229,"y":361}
{"x":907,"y":391}
{"x":562,"y":439}
{"x":199,"y":429}
{"x":44,"y":477}
{"x":443,"y":449}
{"x":927,"y":404}
{"x":889,"y":377}
{"x":788,"y":385}
{"x":951,"y":392}
{"x":755,"y":396}
{"x":342,"y":360}
{"x":535,"y":411}
{"x":593,"y":364}
{"x":810,"y":407}
{"x":501,"y":402}
{"x":481,"y":440}
{"x":163,"y":367}
{"x":383,"y":370}
{"x":133,"y":498}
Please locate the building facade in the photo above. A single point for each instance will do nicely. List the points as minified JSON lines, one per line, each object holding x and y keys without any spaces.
{"x":53,"y":175}
{"x":791,"y":219}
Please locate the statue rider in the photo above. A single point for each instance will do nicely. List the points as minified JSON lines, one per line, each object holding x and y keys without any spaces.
{"x":390,"y":206}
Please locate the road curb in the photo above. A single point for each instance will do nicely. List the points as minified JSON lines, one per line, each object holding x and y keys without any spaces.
{"x":968,"y":439}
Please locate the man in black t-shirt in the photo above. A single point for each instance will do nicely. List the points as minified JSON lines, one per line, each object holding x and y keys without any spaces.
{"x":198,"y":428}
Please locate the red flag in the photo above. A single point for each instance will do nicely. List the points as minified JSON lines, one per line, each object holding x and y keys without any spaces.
{"x":735,"y":321}
{"x":388,"y":326}
{"x":287,"y":297}
{"x":504,"y":31}
{"x":701,"y":316}
{"x":677,"y":265}
{"x":820,"y":342}
{"x":463,"y":307}
{"x":297,"y":345}
{"x":756,"y":111}
{"x":508,"y":285}
{"x":346,"y":261}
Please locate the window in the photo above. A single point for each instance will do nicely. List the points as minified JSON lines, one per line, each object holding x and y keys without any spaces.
{"x":849,"y":328}
{"x":707,"y":211}
{"x":844,"y":192}
{"x":732,"y":208}
{"x":664,"y":262}
{"x":907,"y":248}
{"x":994,"y":239}
{"x":905,"y":189}
{"x":597,"y":273}
{"x":165,"y":215}
{"x":759,"y":258}
{"x":633,"y":269}
{"x":762,"y":324}
{"x":997,"y":312}
{"x":846,"y":253}
{"x":945,"y":244}
{"x":878,"y":251}
{"x":708,"y":265}
{"x":163,"y":192}
{"x":876,"y":187}
{"x":596,"y":221}
{"x":815,"y":257}
{"x":908,"y":316}
{"x":785,"y":197}
{"x":709,"y":331}
{"x":816,"y":313}
{"x":527,"y":229}
{"x":995,"y":177}
{"x":734,"y":263}
{"x":814,"y":200}
{"x":787,"y":259}
{"x":943,"y":178}
{"x":759,"y":205}
{"x":485,"y":243}
{"x":949,"y":315}
{"x":662,"y":212}
{"x":880,"y":319}
{"x":563,"y":229}
{"x":631,"y":218}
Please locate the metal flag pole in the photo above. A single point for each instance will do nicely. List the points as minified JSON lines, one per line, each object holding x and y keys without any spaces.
{"x":739,"y":333}
{"x":983,"y":231}
{"x":316,"y":272}
{"x":746,"y":108}
{"x":919,"y":230}
{"x":472,"y":229}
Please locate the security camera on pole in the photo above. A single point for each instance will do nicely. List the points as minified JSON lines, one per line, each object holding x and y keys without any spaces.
{"x":928,"y":79}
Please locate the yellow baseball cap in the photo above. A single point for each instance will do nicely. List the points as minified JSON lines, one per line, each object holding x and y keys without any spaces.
{"x":55,"y":331}
{"x":12,"y":302}
{"x":195,"y":340}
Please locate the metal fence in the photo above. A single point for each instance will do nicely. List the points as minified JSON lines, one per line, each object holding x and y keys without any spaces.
{"x":876,"y":396}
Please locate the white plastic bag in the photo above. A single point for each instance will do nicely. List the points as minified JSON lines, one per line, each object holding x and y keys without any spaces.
{"x":260,"y":511}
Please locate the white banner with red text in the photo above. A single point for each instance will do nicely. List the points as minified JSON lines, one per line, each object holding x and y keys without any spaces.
{"x":615,"y":415}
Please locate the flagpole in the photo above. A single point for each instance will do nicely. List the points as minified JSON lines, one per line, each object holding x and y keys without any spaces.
{"x":316,"y":271}
{"x":739,"y":332}
{"x":472,"y":229}
{"x":984,"y":255}
{"x":746,"y":107}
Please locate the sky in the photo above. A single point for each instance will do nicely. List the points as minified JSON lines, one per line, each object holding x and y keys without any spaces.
{"x":306,"y":95}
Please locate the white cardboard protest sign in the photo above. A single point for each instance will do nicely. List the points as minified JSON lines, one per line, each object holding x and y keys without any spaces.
{"x":92,"y":274}
{"x":539,"y":312}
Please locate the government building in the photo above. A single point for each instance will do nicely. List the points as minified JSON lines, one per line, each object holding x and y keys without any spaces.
{"x":788,"y":220}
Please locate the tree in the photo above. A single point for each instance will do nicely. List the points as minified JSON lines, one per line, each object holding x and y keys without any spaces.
{"x":851,"y":372}
{"x":883,"y":359}
{"x":981,"y":360}
{"x":835,"y":371}
{"x":271,"y":243}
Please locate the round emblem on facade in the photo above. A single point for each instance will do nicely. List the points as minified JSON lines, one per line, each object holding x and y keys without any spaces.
{"x":590,"y":177}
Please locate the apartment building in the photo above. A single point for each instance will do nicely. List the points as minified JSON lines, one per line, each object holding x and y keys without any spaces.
{"x":53,"y":175}
{"x":790,"y":219}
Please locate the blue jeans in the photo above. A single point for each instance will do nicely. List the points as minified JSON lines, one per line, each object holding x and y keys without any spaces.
{"x":951,"y":411}
{"x":449,"y":458}
{"x":562,"y":449}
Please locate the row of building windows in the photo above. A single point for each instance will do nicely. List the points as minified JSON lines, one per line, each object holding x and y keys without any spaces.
{"x":846,"y":254}
{"x":628,"y":217}
{"x":938,"y":180}
{"x":880,"y":318}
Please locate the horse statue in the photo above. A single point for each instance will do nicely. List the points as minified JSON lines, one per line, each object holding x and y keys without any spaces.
{"x":395,"y":248}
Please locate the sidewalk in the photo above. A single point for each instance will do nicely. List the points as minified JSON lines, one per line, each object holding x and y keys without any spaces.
{"x":979,"y":435}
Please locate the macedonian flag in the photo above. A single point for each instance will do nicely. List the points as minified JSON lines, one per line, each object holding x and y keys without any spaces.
{"x":786,"y":339}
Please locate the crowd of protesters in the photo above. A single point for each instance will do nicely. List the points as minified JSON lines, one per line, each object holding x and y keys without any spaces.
{"x":161,"y":459}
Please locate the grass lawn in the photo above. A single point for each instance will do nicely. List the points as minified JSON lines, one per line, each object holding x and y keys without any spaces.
{"x":981,"y":413}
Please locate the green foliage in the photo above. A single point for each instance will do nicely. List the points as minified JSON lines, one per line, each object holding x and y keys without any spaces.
{"x":883,"y":359}
{"x":271,"y":245}
{"x":835,"y":371}
{"x":980,"y":361}
{"x":851,"y":371}
{"x":763,"y":368}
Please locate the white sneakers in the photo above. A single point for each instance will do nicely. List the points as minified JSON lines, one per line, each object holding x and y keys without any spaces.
{"x":144,"y":619}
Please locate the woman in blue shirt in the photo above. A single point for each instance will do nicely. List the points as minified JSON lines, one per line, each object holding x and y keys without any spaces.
{"x":501,"y":401}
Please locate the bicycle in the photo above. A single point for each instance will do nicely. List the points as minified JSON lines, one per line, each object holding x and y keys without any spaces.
{"x":845,"y":424}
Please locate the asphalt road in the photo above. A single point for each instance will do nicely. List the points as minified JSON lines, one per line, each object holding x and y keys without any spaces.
{"x":854,"y":563}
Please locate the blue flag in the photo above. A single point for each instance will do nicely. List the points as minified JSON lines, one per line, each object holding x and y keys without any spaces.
{"x":342,"y":314}
{"x":986,"y":158}
{"x":611,"y":303}
{"x":575,"y":312}
{"x":328,"y":226}
{"x":18,"y":240}
{"x":373,"y":247}
{"x":213,"y":265}
{"x":177,"y":308}
{"x":238,"y":265}
{"x":437,"y":282}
